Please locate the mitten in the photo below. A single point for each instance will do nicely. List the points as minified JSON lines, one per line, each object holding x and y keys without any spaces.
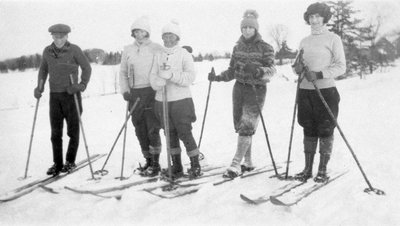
{"x":254,"y":70}
{"x":37,"y":93}
{"x":312,"y":75}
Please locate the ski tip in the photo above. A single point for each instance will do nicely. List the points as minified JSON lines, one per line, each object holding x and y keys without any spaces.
{"x":248,"y":200}
{"x":276,"y":201}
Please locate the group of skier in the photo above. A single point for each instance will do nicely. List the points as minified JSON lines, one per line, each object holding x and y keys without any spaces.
{"x":154,"y":74}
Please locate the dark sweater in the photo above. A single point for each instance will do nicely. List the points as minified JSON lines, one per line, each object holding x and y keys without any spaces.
{"x":68,"y":54}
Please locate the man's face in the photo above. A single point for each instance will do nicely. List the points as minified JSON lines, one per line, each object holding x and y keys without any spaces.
{"x":59,"y":39}
{"x":170,"y":40}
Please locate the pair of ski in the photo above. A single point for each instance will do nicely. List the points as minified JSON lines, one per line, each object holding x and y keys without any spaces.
{"x":291,"y":193}
{"x":208,"y":172}
{"x":41,"y":183}
{"x":181,"y":189}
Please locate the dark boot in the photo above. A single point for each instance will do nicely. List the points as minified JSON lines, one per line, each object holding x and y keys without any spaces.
{"x":307,"y":172}
{"x":54,"y":170}
{"x":177,"y":168}
{"x":68,"y":167}
{"x":325,"y":151}
{"x":154,"y":169}
{"x":141,"y":168}
{"x":310,"y":146}
{"x":195,"y":168}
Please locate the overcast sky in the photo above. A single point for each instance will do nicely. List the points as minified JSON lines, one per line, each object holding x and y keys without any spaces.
{"x":206,"y":25}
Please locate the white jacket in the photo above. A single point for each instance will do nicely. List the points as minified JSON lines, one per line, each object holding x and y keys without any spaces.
{"x":183,"y":73}
{"x":136,"y":63}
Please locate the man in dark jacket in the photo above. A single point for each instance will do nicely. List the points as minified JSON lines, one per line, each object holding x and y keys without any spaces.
{"x":62,"y":104}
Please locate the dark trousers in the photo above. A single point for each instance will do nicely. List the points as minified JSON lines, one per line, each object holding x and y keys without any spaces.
{"x":245,"y":109}
{"x":312,"y":114}
{"x":62,"y":106}
{"x":181,"y":116}
{"x":147,"y":126}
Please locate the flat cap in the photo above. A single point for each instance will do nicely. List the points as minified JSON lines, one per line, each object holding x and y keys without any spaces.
{"x":60,"y":28}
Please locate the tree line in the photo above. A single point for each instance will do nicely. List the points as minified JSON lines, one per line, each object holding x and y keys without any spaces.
{"x":366,"y":49}
{"x":97,"y":56}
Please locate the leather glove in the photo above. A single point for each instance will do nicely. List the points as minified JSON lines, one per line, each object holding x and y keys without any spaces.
{"x":254,"y":70}
{"x":127,"y":96}
{"x":37,"y":93}
{"x":74,"y":88}
{"x":312,"y":75}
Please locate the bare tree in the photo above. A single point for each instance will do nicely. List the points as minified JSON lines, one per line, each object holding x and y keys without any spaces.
{"x":278,"y":33}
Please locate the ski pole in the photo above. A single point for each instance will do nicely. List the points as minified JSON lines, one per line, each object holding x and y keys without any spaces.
{"x":78,"y":111}
{"x":205,"y":113}
{"x":299,"y":79}
{"x":370,"y":188}
{"x":103,"y":172}
{"x":265,"y":129}
{"x":32,"y":132}
{"x":123,"y":146}
{"x":166,"y":130}
{"x":292,"y":127}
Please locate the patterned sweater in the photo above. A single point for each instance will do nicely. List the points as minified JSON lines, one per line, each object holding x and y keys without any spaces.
{"x":257,"y":52}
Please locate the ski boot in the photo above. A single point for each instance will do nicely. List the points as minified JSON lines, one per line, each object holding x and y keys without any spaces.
{"x":231,"y":173}
{"x":321,"y":177}
{"x":310,"y":146}
{"x":244,"y":168}
{"x":177,"y":168}
{"x":195,"y":168}
{"x":141,"y":168}
{"x":325,"y":150}
{"x":155,"y":168}
{"x":307,"y":172}
{"x":68,"y":167}
{"x":54,"y":170}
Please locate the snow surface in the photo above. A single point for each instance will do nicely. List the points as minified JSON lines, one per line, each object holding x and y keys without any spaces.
{"x":368,"y":116}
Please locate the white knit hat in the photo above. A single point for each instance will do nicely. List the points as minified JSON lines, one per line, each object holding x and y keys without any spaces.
{"x":141,"y":23}
{"x":172,"y":27}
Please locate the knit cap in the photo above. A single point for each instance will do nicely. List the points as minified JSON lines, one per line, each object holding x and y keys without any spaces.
{"x":249,"y":19}
{"x":141,"y":23}
{"x":172,"y":27}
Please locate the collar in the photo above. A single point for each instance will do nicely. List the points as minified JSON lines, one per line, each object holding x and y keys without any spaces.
{"x":144,"y":43}
{"x":171,"y":50}
{"x":256,"y":38}
{"x":319,"y":30}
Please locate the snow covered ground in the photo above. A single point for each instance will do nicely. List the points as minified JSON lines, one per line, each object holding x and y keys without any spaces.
{"x":368,"y":116}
